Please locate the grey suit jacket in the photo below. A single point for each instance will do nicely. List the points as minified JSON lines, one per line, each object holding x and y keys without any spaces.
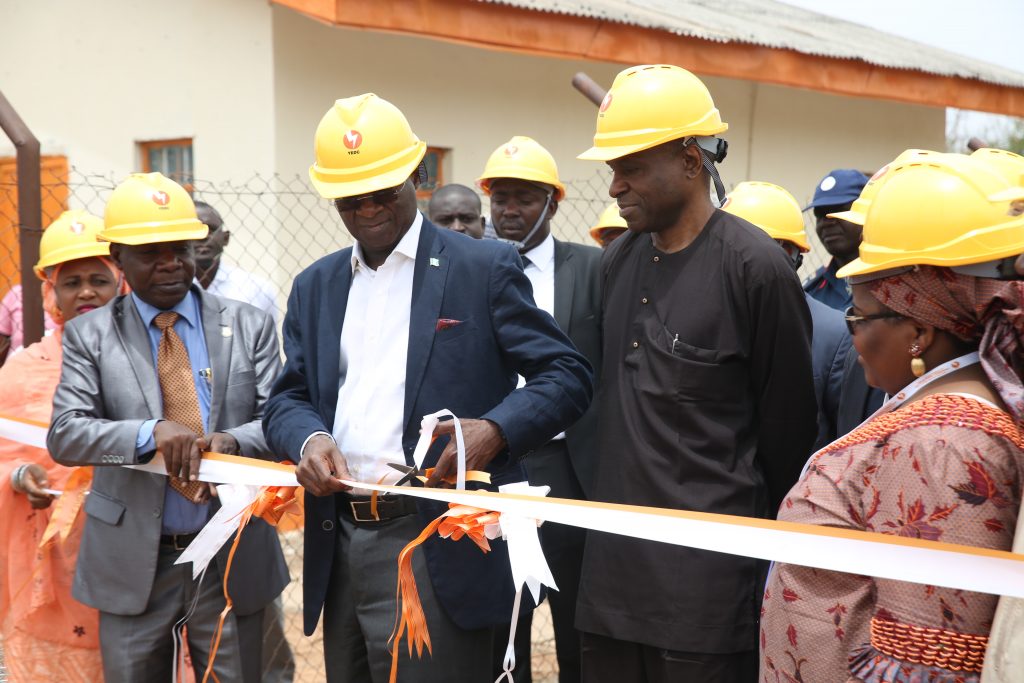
{"x":578,"y":314}
{"x":108,"y":388}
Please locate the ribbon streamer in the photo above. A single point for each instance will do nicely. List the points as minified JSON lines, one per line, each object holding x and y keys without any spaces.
{"x":529,"y":566}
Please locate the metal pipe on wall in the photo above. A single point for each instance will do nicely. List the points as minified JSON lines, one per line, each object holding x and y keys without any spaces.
{"x":30,"y":216}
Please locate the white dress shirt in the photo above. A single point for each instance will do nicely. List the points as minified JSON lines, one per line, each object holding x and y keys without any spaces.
{"x":540,"y":269}
{"x":374,"y":351}
{"x":234,"y":283}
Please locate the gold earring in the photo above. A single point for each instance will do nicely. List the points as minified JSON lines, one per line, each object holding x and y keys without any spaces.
{"x":917,"y":366}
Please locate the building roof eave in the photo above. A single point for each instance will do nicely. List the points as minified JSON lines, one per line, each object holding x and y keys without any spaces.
{"x":514,"y":29}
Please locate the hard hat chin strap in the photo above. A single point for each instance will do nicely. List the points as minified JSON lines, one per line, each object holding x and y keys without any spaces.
{"x":520,"y":245}
{"x":712,"y":150}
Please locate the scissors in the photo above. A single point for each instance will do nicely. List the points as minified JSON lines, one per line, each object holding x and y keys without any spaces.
{"x":409,"y":473}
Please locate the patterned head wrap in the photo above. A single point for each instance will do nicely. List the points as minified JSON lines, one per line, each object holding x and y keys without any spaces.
{"x":982,"y":310}
{"x":50,"y":294}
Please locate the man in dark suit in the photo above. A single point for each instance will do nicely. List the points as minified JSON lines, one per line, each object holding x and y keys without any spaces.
{"x":167,"y":369}
{"x":521,"y":178}
{"x":411,"y":320}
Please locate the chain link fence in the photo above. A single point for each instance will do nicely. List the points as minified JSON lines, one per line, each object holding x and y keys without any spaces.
{"x":279,"y":226}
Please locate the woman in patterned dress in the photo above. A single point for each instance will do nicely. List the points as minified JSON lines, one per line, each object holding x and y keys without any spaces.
{"x":47,"y":635}
{"x":942,"y":460}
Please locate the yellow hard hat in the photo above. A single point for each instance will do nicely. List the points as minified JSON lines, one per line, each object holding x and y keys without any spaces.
{"x":523,"y":158}
{"x":1006,"y":163}
{"x":770,"y":208}
{"x":363,"y":144}
{"x":609,"y":218}
{"x":938,"y":211}
{"x":651,"y":104}
{"x":150,"y":207}
{"x":859,"y":209}
{"x":72,"y":236}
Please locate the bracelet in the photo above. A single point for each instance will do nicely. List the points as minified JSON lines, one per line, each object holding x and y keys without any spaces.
{"x":16,"y":478}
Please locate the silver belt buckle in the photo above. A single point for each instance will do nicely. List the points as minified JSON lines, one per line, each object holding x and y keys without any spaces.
{"x":356,"y":504}
{"x":174,"y":540}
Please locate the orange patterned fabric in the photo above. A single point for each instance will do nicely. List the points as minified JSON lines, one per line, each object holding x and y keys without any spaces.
{"x":945,"y":467}
{"x":181,"y":404}
{"x":47,"y":635}
{"x":929,"y":646}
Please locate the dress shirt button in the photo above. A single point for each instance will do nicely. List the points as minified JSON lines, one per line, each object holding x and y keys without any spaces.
{"x":644,"y":300}
{"x":657,"y":258}
{"x":636,"y":345}
{"x":327,"y":525}
{"x":156,"y":512}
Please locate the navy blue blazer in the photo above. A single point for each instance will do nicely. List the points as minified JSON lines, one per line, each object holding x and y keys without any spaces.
{"x":469,"y":368}
{"x":829,"y":345}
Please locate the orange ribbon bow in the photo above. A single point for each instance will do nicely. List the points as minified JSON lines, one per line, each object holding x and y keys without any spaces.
{"x":458,"y":522}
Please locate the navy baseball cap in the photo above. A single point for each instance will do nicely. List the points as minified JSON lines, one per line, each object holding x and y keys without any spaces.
{"x":839,"y":187}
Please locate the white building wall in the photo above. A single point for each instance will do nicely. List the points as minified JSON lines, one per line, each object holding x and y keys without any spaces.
{"x":472,"y":100}
{"x":248,"y":81}
{"x":91,"y":79}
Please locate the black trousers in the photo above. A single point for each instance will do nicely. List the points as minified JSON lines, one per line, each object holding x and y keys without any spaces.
{"x":563,"y":549}
{"x":607,"y":660}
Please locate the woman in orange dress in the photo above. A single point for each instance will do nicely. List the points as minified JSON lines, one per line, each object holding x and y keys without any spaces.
{"x":942,"y":460}
{"x":47,"y":635}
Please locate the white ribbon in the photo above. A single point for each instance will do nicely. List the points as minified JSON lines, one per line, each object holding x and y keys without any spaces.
{"x":23,"y":432}
{"x":933,"y":563}
{"x":857,"y":552}
{"x":529,"y":566}
{"x":427,"y":425}
{"x":233,"y":499}
{"x":220,"y":472}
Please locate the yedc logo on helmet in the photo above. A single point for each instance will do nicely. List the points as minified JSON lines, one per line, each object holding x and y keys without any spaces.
{"x":944,"y":210}
{"x":363,"y":144}
{"x":72,"y":236}
{"x":147,"y":208}
{"x":771,"y":208}
{"x":652,"y":104}
{"x":522,"y":158}
{"x":353,"y":140}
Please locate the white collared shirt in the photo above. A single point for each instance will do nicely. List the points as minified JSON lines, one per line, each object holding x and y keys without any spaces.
{"x":541,"y":272}
{"x":234,"y":283}
{"x":374,"y":348}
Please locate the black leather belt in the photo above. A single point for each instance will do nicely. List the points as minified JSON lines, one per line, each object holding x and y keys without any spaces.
{"x":178,"y":541}
{"x":359,"y":508}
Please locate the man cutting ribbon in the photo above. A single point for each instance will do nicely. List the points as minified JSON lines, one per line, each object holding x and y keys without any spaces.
{"x":173,"y":370}
{"x":410,"y":320}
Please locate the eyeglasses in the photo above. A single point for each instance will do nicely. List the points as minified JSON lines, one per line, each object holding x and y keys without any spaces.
{"x":853,"y":320}
{"x":380,"y":198}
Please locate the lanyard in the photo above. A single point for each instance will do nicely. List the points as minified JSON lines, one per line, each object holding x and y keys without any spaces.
{"x":924,"y":380}
{"x":911,"y":390}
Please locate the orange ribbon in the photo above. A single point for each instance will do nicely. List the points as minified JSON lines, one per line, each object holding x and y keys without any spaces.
{"x":458,"y":522}
{"x":67,"y":506}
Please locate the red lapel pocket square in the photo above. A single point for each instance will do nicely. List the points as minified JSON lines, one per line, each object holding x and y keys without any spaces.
{"x":446,"y":323}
